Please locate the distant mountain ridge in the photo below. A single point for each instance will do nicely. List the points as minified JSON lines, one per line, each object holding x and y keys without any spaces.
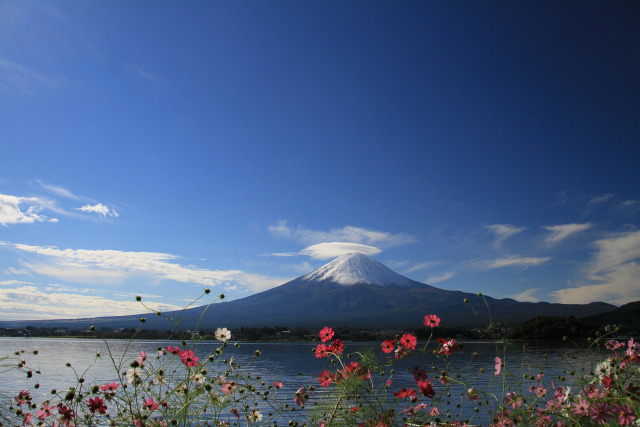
{"x":353,"y":290}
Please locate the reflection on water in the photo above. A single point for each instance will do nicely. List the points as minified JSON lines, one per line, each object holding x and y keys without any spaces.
{"x":295,"y":365}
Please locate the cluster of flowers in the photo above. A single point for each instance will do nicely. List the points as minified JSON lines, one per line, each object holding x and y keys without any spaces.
{"x":146,"y":396}
{"x":611,"y":395}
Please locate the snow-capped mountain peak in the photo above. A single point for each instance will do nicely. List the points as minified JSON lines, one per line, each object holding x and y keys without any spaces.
{"x":357,"y":268}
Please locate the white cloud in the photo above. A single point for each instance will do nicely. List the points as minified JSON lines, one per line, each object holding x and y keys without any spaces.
{"x":526,"y":296}
{"x":615,"y":271}
{"x":441,"y":278}
{"x":503,"y":232}
{"x":108,"y":266}
{"x":346,"y":234}
{"x":616,"y":251}
{"x":29,"y":302}
{"x":14,"y":282}
{"x":561,"y":232}
{"x":512,"y":261}
{"x":329,"y":250}
{"x":20,"y":210}
{"x":99,"y":209}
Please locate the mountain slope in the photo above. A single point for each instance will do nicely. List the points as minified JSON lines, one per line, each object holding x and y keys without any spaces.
{"x":353,"y":290}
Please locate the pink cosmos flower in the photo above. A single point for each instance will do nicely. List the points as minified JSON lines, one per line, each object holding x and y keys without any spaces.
{"x":400,"y":353}
{"x":326,"y":334}
{"x":513,"y":400}
{"x":45,"y":412}
{"x":228,"y":387}
{"x":434,"y":411}
{"x":498,"y":365}
{"x":614,"y":345}
{"x":27,"y":419}
{"x":277,"y":384}
{"x":301,"y":397}
{"x":173,"y":350}
{"x":431,"y":320}
{"x":189,"y":358}
{"x":97,"y":404}
{"x":142,"y":357}
{"x":601,"y":412}
{"x":625,"y":415}
{"x":581,"y":407}
{"x":444,"y":380}
{"x":388,"y":346}
{"x":408,"y":341}
{"x":23,"y":397}
{"x":150,"y":404}
{"x":325,"y":378}
{"x":110,"y":387}
{"x":472,"y":394}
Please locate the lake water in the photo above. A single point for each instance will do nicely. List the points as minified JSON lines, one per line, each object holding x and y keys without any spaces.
{"x":294,"y":364}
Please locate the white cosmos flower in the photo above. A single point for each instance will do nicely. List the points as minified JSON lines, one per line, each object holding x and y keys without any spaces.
{"x":223,"y":334}
{"x":255,"y":415}
{"x":133,"y":376}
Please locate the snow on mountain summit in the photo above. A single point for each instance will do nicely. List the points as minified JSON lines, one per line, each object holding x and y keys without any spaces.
{"x":357,"y":268}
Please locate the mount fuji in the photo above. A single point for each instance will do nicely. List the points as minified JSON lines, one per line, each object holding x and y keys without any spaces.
{"x":352,"y":290}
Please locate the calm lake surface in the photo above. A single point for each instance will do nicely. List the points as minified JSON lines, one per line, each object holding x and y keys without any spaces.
{"x":295,"y":365}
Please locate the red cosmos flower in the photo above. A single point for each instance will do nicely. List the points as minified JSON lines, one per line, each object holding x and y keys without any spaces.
{"x":431,"y":320}
{"x":97,"y":404}
{"x":150,"y":404}
{"x":173,"y":350}
{"x":408,"y":341}
{"x":404,"y":393}
{"x":420,"y":374}
{"x":189,"y":358}
{"x":426,"y":388}
{"x":110,"y":387}
{"x":325,"y":378}
{"x":321,"y":351}
{"x":326,"y":334}
{"x":66,"y":414}
{"x":336,"y":347}
{"x":388,"y":345}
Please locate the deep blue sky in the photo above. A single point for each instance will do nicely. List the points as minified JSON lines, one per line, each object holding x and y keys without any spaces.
{"x":157,"y":148}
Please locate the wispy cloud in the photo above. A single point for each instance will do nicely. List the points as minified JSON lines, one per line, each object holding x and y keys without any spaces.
{"x":57,"y":190}
{"x":526,"y":296}
{"x":100,"y":209}
{"x":20,"y":79}
{"x":440,"y":278}
{"x":29,"y":302}
{"x":108,"y":266}
{"x":561,"y":232}
{"x":502,"y":232}
{"x":422,"y":266}
{"x":512,"y":261}
{"x":14,"y":282}
{"x":345,"y":234}
{"x":615,"y":271}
